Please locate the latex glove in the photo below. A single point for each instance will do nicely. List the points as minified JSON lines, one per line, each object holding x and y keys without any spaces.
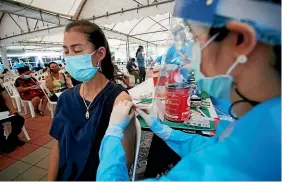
{"x":180,"y":142}
{"x":163,"y":131}
{"x":120,"y":118}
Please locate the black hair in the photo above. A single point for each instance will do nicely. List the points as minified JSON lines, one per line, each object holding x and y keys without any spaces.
{"x":139,"y":49}
{"x":5,"y":71}
{"x":96,"y":36}
{"x":49,"y":64}
{"x":60,"y":65}
{"x":132,"y":59}
{"x":46,"y":65}
{"x":23,"y":69}
{"x":223,"y":32}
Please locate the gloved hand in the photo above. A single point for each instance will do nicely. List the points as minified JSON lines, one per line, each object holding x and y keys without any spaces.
{"x":120,"y":118}
{"x":163,"y":131}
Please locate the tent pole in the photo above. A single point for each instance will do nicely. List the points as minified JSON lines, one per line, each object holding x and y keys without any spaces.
{"x":127,"y":50}
{"x":3,"y":53}
{"x":147,"y":49}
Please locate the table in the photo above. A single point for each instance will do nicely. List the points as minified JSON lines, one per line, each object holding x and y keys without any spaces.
{"x":147,"y":88}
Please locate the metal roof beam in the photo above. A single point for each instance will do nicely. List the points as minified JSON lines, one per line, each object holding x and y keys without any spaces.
{"x":145,"y":33}
{"x":19,"y":9}
{"x":15,"y":22}
{"x":79,"y":9}
{"x":138,"y":2}
{"x":37,"y":43}
{"x":158,"y":23}
{"x":130,"y":9}
{"x":45,"y":16}
{"x":2,"y":16}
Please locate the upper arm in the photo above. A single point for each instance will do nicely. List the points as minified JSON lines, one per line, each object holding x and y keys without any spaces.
{"x":129,"y":133}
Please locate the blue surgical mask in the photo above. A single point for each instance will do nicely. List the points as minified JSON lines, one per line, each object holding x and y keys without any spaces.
{"x":80,"y":67}
{"x":218,"y":86}
{"x":26,"y":77}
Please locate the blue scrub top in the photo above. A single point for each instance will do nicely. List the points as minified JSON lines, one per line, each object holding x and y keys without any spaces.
{"x":159,"y":59}
{"x":18,"y":65}
{"x":172,"y":53}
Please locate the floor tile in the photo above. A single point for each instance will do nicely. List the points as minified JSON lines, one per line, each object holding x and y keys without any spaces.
{"x":32,"y":174}
{"x":33,"y":125}
{"x":32,"y":134}
{"x":43,"y":119}
{"x":36,"y":156}
{"x":22,"y":151}
{"x":42,"y":140}
{"x":45,"y":129}
{"x":44,"y":163}
{"x":14,"y":171}
{"x":26,"y":116}
{"x":5,"y":162}
{"x":49,"y":144}
{"x":45,"y":178}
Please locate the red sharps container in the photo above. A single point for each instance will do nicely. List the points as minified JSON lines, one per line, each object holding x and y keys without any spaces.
{"x":177,"y":108}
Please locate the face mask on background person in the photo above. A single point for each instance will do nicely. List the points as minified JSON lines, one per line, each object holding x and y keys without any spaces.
{"x":55,"y":70}
{"x":80,"y":67}
{"x":26,"y":77}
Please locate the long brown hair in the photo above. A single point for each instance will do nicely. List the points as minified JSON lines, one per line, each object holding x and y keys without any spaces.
{"x":96,"y":36}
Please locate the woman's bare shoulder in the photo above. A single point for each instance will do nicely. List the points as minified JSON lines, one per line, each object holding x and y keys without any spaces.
{"x":122,"y":96}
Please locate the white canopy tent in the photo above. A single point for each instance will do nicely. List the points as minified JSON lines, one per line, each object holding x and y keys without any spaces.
{"x":41,"y":23}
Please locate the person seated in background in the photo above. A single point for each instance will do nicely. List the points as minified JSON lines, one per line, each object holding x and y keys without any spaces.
{"x":17,"y":121}
{"x":55,"y":81}
{"x":73,"y":81}
{"x":132,"y":69}
{"x":4,"y":73}
{"x":38,"y":67}
{"x":29,"y":89}
{"x":118,"y":75}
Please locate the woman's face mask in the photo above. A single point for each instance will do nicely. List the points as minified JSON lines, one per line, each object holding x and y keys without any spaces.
{"x":80,"y":67}
{"x":26,"y":77}
{"x":55,"y":69}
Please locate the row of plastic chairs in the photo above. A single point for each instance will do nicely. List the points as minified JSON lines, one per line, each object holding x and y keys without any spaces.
{"x":18,"y":102}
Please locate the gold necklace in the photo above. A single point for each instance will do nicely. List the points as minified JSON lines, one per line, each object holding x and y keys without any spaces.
{"x":87,"y":115}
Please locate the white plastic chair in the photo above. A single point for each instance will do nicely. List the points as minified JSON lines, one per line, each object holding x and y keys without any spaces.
{"x":51,"y":104}
{"x":6,"y":130}
{"x":15,"y":97}
{"x":25,"y":103}
{"x":138,"y":142}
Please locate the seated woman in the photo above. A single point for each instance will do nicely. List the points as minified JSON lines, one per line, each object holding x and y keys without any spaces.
{"x":83,"y":112}
{"x":118,"y":75}
{"x":29,"y":89}
{"x":56,"y":81}
{"x":132,"y":69}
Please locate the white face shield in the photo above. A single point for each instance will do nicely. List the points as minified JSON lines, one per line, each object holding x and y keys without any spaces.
{"x":191,"y":31}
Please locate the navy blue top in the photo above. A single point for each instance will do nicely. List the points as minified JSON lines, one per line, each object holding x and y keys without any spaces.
{"x":79,"y":139}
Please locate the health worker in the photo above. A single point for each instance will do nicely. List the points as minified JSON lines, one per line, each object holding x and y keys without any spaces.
{"x":236,"y":57}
